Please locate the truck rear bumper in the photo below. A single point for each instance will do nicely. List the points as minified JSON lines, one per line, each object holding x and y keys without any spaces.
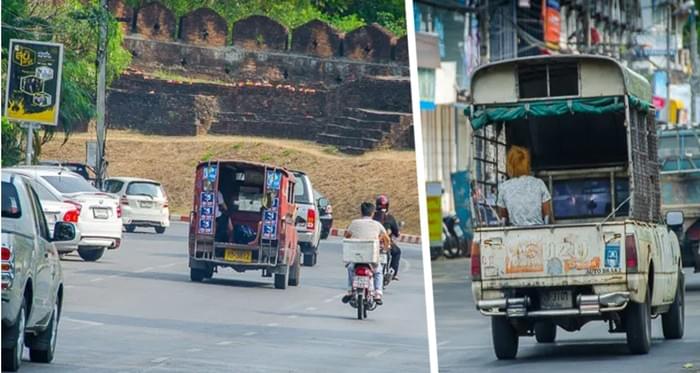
{"x":586,"y":305}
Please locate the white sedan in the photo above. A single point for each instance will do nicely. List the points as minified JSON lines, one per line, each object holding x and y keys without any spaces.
{"x":143,"y":202}
{"x":98,"y":214}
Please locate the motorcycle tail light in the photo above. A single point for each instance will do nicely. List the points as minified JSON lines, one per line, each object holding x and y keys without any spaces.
{"x":363,"y":271}
{"x":476,"y":261}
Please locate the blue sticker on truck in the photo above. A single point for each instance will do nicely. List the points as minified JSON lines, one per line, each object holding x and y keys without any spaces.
{"x":269,"y":231}
{"x":273,"y":180}
{"x":612,"y":255}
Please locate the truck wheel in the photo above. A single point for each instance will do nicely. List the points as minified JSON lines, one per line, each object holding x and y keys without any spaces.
{"x":360,"y":306}
{"x":310,"y":259}
{"x":638,"y":325}
{"x":673,"y":321}
{"x":12,"y":355}
{"x":43,"y":345}
{"x":160,"y":230}
{"x":545,"y":331}
{"x":90,"y":254}
{"x":130,"y":228}
{"x":197,"y":275}
{"x":505,"y":338}
{"x":281,"y":280}
{"x":295,"y":273}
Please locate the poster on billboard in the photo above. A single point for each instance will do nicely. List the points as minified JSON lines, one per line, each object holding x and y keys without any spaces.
{"x":434,"y":197}
{"x":33,"y":81}
{"x":551,"y":20}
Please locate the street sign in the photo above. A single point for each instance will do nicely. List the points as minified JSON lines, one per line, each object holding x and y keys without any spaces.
{"x":91,"y":153}
{"x":33,"y":81}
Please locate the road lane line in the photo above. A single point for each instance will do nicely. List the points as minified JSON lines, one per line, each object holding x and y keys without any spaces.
{"x":311,"y":308}
{"x":376,"y":353}
{"x":443,"y":343}
{"x":159,"y":360}
{"x":168,"y":265}
{"x":194,"y":350}
{"x":224,"y":343}
{"x":144,"y":270}
{"x":96,"y":279}
{"x":69,"y":286}
{"x":248,"y":334}
{"x":86,"y":322}
{"x":273,"y":324}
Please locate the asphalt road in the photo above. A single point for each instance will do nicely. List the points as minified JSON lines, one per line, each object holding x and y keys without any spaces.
{"x":464,"y":336}
{"x":137,"y":311}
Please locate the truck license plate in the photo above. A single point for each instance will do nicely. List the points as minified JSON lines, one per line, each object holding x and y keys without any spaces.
{"x":240,"y":256}
{"x":556,"y":299}
{"x":100,"y":213}
{"x":360,"y":282}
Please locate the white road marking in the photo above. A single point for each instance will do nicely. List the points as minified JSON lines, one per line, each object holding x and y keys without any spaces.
{"x":224,"y":343}
{"x":377,"y":353}
{"x":293,"y":316}
{"x":159,"y":360}
{"x":86,"y":322}
{"x":333,"y":298}
{"x":144,"y":270}
{"x":167,"y":265}
{"x":69,"y":286}
{"x":273,"y":324}
{"x":311,"y":308}
{"x":194,"y":350}
{"x":96,"y":279}
{"x":248,"y":334}
{"x":443,"y":343}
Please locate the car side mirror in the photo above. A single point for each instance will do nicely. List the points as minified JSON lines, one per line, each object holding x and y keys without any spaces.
{"x":63,"y":231}
{"x":323,"y":202}
{"x":674,"y":218}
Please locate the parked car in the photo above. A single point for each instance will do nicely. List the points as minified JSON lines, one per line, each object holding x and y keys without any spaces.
{"x":99,"y":214}
{"x":143,"y":202}
{"x":326,"y":211}
{"x":84,"y":170}
{"x":32,"y":281}
{"x":56,"y":209}
{"x":307,"y":221}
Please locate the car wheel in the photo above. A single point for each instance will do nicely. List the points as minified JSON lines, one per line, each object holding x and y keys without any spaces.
{"x":295,"y":273}
{"x":505,"y":338}
{"x":281,"y":280}
{"x":545,"y":331}
{"x":310,"y":259}
{"x":638,"y":325}
{"x":160,"y":230}
{"x":673,"y":321}
{"x":43,"y":345}
{"x":197,"y":275}
{"x":130,"y":228}
{"x":90,"y":254}
{"x":12,"y":355}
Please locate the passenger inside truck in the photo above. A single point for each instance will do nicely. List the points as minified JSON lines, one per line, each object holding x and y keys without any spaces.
{"x":242,"y":190}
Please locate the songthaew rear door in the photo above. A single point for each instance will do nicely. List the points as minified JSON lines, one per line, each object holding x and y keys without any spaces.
{"x":206,"y":187}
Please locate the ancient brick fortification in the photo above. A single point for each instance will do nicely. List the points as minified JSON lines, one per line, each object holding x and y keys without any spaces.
{"x":257,"y":78}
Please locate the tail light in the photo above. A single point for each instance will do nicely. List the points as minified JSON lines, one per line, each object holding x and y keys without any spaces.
{"x":73,"y":215}
{"x":310,"y":219}
{"x":8,"y":267}
{"x":476,"y":261}
{"x":631,"y":253}
{"x":119,"y":211}
{"x":363,"y":271}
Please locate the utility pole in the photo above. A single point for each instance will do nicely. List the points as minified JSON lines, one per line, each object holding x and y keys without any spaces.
{"x":695,"y":78}
{"x":668,"y":61}
{"x":101,"y":88}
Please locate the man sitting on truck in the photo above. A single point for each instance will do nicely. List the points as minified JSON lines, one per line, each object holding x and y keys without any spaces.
{"x":523,"y":199}
{"x":368,"y":229}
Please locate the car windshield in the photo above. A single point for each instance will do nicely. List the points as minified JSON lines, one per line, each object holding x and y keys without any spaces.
{"x":112,"y":186}
{"x":144,"y":189}
{"x":301,"y":192}
{"x":68,"y":184}
{"x":10,"y":201}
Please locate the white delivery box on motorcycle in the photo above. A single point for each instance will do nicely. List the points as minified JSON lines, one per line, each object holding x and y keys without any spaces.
{"x":360,"y":251}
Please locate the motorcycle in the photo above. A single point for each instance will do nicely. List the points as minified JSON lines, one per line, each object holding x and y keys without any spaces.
{"x":363,"y":290}
{"x":386,"y":257}
{"x":456,"y":243}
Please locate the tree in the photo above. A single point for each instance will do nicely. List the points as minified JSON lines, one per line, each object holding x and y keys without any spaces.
{"x":11,"y":143}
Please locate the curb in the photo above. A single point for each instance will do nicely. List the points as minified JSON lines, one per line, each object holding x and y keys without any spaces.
{"x":405,"y":238}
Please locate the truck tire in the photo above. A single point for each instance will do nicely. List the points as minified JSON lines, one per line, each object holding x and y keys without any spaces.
{"x":545,"y":331}
{"x":505,"y":338}
{"x":281,"y":280}
{"x":638,"y":326}
{"x":90,"y":254}
{"x":295,"y":273}
{"x":673,"y":321}
{"x":130,"y":228}
{"x":12,"y":355}
{"x":310,"y":259}
{"x":43,"y":345}
{"x":197,"y":275}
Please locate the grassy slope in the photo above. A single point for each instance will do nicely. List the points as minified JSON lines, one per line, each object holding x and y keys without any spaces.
{"x":345,"y":180}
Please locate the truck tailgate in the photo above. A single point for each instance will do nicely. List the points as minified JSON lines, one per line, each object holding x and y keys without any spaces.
{"x":545,"y":256}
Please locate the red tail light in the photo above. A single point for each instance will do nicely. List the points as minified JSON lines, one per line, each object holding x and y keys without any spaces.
{"x":310,"y":219}
{"x":476,"y":261}
{"x":119,"y":211}
{"x":631,"y":253}
{"x":71,"y":216}
{"x":362,"y":271}
{"x":8,"y":267}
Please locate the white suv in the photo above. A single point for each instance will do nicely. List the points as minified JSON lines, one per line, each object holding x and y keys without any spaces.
{"x":144,"y":202}
{"x":308,"y":222}
{"x":98,"y":214}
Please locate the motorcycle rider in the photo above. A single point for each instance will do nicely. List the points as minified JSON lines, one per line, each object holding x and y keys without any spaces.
{"x":369,"y":229}
{"x":382,"y":215}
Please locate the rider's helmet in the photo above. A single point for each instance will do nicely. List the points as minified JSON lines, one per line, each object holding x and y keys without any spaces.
{"x":382,"y":202}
